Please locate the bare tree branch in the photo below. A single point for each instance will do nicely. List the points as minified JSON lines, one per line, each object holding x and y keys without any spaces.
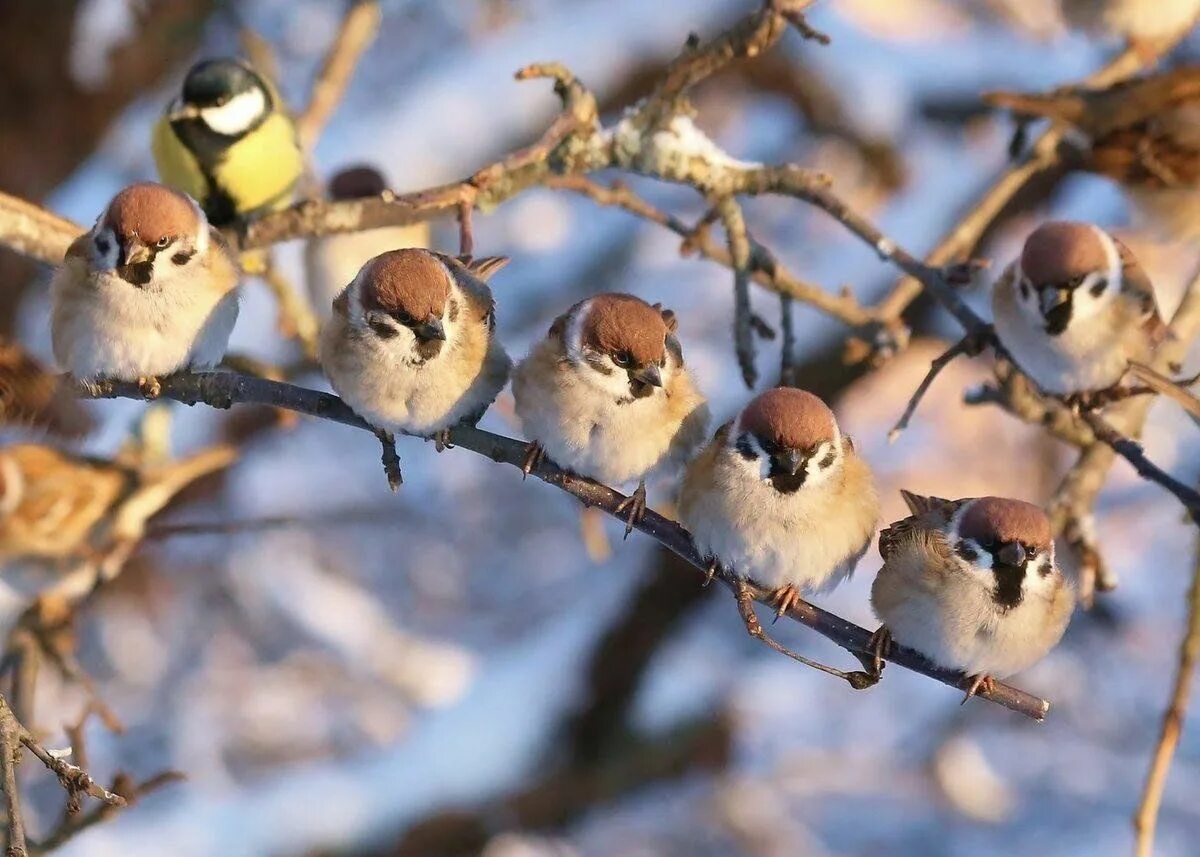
{"x":223,"y":389}
{"x":356,"y":33}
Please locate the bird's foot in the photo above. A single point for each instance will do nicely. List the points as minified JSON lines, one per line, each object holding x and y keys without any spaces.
{"x":983,"y":682}
{"x":150,"y":387}
{"x":714,"y":566}
{"x":634,"y":508}
{"x":390,"y":459}
{"x":534,"y":455}
{"x":441,"y":440}
{"x":784,"y":599}
{"x":881,"y":647}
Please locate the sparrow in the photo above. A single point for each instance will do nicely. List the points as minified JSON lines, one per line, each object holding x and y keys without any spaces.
{"x":332,"y":261}
{"x":1143,"y":133}
{"x":411,"y":344}
{"x":150,"y":290}
{"x":972,"y":585}
{"x":779,"y":497}
{"x":31,"y":395}
{"x":1136,"y":20}
{"x":58,"y":505}
{"x":228,"y":142}
{"x":606,"y":394}
{"x":1076,"y":309}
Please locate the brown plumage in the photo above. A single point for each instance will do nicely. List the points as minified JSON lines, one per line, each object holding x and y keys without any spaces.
{"x":410,"y":283}
{"x":623,"y":323}
{"x":793,"y":418}
{"x":1139,"y":130}
{"x":32,"y":396}
{"x":1059,"y":251}
{"x":151,"y":212}
{"x":1000,"y":519}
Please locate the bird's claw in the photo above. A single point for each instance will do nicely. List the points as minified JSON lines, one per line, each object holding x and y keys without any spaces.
{"x":634,"y":508}
{"x":981,"y":682}
{"x":881,"y":647}
{"x":441,"y":440}
{"x":713,"y":567}
{"x":150,"y":387}
{"x":784,"y":599}
{"x":534,"y":454}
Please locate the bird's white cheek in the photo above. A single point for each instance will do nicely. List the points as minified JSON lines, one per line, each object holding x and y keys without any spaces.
{"x":615,"y":382}
{"x":237,"y":115}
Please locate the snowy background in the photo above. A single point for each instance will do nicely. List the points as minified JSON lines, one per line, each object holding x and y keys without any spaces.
{"x":330,"y":684}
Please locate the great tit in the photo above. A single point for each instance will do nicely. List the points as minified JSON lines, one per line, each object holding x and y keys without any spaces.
{"x":228,"y":142}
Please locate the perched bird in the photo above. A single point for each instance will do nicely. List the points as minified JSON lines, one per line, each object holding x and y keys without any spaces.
{"x":972,"y":585}
{"x":1076,"y":309}
{"x":606,"y":394}
{"x":228,"y":142}
{"x":150,"y":290}
{"x":1136,"y":20}
{"x":33,"y":396}
{"x":332,"y":261}
{"x":411,"y":346}
{"x":1143,"y":133}
{"x":56,"y":505}
{"x":780,"y":497}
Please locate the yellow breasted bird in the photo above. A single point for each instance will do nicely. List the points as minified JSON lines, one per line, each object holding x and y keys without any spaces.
{"x":229,"y":143}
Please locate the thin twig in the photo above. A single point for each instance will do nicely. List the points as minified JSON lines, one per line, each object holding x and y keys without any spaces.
{"x":1146,"y":818}
{"x":739,"y":251}
{"x":357,"y":31}
{"x":220,"y":389}
{"x":966,"y":345}
{"x":9,"y":751}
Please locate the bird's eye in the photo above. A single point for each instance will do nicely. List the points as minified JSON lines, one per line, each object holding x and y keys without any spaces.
{"x":402,"y":317}
{"x":102,"y":245}
{"x":163,"y":243}
{"x":623,"y":358}
{"x":1098,"y":287}
{"x":222,"y":100}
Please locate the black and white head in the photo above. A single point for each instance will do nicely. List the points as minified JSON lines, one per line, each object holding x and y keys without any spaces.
{"x":225,"y":97}
{"x":1006,"y":545}
{"x":404,"y":298}
{"x":1068,"y":273}
{"x":789,"y":438}
{"x":149,"y":235}
{"x":621,"y":345}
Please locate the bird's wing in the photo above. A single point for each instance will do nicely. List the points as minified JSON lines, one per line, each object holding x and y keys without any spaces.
{"x":1137,"y":283}
{"x":927,"y":523}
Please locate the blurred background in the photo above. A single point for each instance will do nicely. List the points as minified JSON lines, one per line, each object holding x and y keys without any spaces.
{"x":465,"y":667}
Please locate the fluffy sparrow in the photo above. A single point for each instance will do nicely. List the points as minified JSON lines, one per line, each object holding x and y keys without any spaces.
{"x":606,"y":394}
{"x":411,"y":345}
{"x":780,"y":497}
{"x":1076,"y":309}
{"x":56,"y":505}
{"x":972,"y":585}
{"x":1136,"y":20}
{"x":150,"y":290}
{"x":1143,"y":133}
{"x":331,"y":261}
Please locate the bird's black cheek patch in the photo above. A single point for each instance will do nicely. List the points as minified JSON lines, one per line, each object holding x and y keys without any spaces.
{"x":828,"y":460}
{"x":745,"y":449}
{"x":452,"y":312}
{"x":383,"y":331}
{"x":1098,"y":287}
{"x":967,"y":552}
{"x":182,"y":258}
{"x":1024,"y":290}
{"x":1044,"y":568}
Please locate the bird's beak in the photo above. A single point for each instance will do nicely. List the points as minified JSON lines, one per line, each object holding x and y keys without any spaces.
{"x":134,"y":252}
{"x":792,"y":461}
{"x":1052,"y":299}
{"x":181,"y":111}
{"x":651,"y":375}
{"x":1011,"y":554}
{"x":430,"y":330}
